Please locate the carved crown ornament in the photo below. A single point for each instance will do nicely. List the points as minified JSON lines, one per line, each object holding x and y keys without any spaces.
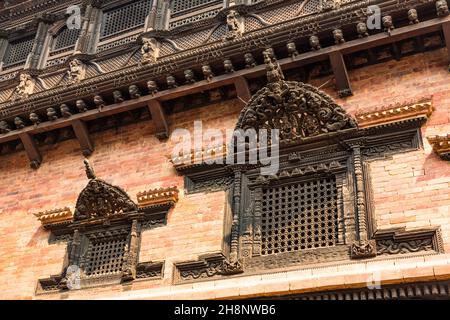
{"x":103,"y":235}
{"x":100,"y":201}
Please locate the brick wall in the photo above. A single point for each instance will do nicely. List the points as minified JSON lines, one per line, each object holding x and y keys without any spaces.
{"x":410,"y":189}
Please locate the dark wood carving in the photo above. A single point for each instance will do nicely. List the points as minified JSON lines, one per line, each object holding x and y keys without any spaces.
{"x":104,"y":235}
{"x":324,"y":149}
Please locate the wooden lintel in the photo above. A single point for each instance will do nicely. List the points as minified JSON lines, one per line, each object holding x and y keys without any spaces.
{"x":159,"y":119}
{"x":31,"y":149}
{"x":446,"y":31}
{"x":242,"y":90}
{"x":340,"y":74}
{"x":84,"y":139}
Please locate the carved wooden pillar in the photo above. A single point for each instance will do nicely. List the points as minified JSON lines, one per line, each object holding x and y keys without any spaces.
{"x":257,"y":236}
{"x":236,"y":207}
{"x":363,"y":248}
{"x":74,"y":259}
{"x":3,"y":46}
{"x":162,"y":15}
{"x":341,"y":209}
{"x":86,"y":43}
{"x":35,"y":57}
{"x":130,"y":257}
{"x":150,"y":21}
{"x":360,"y":195}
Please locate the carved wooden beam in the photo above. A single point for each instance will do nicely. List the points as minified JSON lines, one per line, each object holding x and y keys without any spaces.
{"x":31,"y":149}
{"x":82,"y":134}
{"x":441,"y":146}
{"x":159,"y":119}
{"x":243,"y":91}
{"x":340,"y":74}
{"x":446,"y":31}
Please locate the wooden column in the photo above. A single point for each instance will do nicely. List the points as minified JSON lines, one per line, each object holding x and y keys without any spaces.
{"x":340,"y":74}
{"x":446,"y":31}
{"x":82,"y":134}
{"x":159,"y":119}
{"x":31,"y":149}
{"x":243,"y":91}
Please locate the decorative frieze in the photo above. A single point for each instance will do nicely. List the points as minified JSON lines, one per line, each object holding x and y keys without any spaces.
{"x":157,"y":197}
{"x":423,"y":108}
{"x":55,"y":217}
{"x":441,"y":145}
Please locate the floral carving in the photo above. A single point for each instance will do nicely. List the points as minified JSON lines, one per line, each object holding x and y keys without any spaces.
{"x":297,"y":109}
{"x":100,"y":199}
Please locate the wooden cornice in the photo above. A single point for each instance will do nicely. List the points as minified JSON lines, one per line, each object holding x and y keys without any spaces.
{"x":156,"y":197}
{"x":270,"y":35}
{"x":395,"y":112}
{"x":208,"y":154}
{"x":441,"y":145}
{"x":55,"y":217}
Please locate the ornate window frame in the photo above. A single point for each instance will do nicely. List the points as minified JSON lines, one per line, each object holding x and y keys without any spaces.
{"x":104,"y":234}
{"x":324,"y":140}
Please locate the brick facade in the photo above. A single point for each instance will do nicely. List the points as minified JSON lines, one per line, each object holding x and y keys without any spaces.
{"x":410,"y":190}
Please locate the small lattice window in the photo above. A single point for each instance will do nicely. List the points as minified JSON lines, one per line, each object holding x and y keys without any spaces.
{"x":17,"y":52}
{"x":299,"y":216}
{"x":65,"y":39}
{"x":311,"y":6}
{"x":105,"y":257}
{"x":178,"y":6}
{"x":125,"y":18}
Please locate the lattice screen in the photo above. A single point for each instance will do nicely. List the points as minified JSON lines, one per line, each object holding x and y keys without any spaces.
{"x":65,"y":39}
{"x":18,"y":51}
{"x":299,"y":216}
{"x":311,"y":6}
{"x":124,"y":18}
{"x":105,"y":257}
{"x":183,"y":5}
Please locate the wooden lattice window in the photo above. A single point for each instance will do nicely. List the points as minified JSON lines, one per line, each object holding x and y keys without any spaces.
{"x":178,"y":6}
{"x":125,"y":18}
{"x":17,"y":51}
{"x":299,"y":216}
{"x":65,"y":39}
{"x":105,"y":256}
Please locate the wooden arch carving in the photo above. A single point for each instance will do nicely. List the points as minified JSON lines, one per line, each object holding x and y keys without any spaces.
{"x":101,"y":199}
{"x":296,"y":109}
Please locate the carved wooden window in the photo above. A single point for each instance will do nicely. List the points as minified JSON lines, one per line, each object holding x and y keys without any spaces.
{"x":17,"y":51}
{"x":128,"y":17}
{"x":65,"y":39}
{"x":104,"y":234}
{"x":316,"y":207}
{"x":299,"y":216}
{"x":178,"y":6}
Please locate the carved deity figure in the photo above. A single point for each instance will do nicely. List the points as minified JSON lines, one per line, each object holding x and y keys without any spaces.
{"x":149,"y":50}
{"x":250,"y":61}
{"x":361,"y":28}
{"x":338,"y":36}
{"x":77,"y":71}
{"x":274,"y":72}
{"x":413,"y":16}
{"x":51,"y":114}
{"x":234,"y":25}
{"x":292,"y":49}
{"x":24,"y":88}
{"x":152,"y":87}
{"x":189,"y":76}
{"x":442,"y":8}
{"x":314,"y":43}
{"x":134,"y":91}
{"x":65,"y":111}
{"x":4,"y":127}
{"x":228,"y":66}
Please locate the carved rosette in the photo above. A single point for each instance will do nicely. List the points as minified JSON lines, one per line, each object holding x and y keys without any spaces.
{"x":363,"y":249}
